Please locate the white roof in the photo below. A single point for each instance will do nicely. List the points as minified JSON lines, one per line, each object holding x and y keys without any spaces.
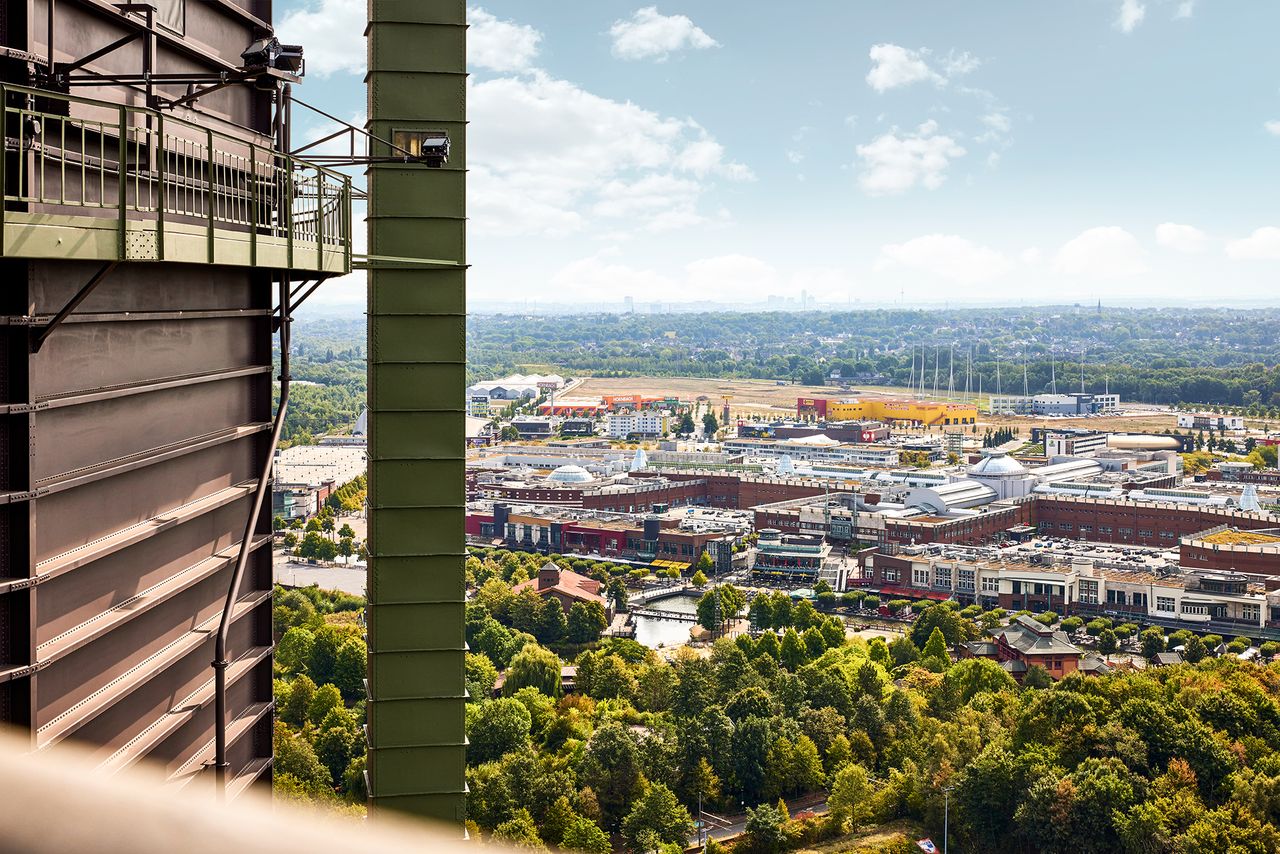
{"x":313,"y":465}
{"x":997,"y":464}
{"x":570,"y":474}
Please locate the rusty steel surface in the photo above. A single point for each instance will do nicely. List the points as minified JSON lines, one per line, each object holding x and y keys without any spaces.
{"x":135,"y":419}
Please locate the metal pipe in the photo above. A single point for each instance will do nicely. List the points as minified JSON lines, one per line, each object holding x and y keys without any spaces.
{"x":220,"y":762}
{"x":53,"y":9}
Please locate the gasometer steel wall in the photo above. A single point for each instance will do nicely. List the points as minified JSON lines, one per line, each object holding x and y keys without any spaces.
{"x":416,"y":82}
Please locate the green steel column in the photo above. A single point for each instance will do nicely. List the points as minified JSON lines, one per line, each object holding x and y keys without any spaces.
{"x":417,"y":315}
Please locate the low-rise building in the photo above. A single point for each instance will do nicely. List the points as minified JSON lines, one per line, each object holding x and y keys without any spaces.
{"x":1210,"y":421}
{"x":535,"y":426}
{"x":566,"y":587}
{"x":635,"y":423}
{"x":1025,"y":643}
{"x":1072,"y":404}
{"x":792,"y":556}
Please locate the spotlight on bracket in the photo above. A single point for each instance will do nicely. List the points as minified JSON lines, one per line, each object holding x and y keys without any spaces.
{"x":269,"y":53}
{"x":423,"y":146}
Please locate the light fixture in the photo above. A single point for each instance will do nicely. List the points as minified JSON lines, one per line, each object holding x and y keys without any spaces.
{"x":269,"y":53}
{"x":425,"y":146}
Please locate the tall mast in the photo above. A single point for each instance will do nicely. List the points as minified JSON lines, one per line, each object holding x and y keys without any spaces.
{"x":912,"y":384}
{"x":935,"y":370}
{"x":1025,"y":393}
{"x":997,"y":374}
{"x":951,"y":371}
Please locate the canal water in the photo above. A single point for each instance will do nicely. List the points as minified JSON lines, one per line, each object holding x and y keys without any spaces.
{"x":654,"y":632}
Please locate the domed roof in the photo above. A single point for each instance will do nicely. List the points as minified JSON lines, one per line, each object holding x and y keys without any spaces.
{"x":997,"y":464}
{"x":570,"y":474}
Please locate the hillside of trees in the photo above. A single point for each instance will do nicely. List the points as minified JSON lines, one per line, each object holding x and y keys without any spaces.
{"x":1221,"y":357}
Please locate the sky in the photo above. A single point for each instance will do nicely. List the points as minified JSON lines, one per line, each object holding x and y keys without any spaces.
{"x":912,"y":152}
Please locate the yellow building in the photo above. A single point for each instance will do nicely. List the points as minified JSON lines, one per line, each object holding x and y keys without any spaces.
{"x":929,"y":413}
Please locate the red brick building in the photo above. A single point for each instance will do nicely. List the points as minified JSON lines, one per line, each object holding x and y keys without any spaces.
{"x":567,"y":587}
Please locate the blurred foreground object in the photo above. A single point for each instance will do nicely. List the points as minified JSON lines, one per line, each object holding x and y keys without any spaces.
{"x":58,"y":803}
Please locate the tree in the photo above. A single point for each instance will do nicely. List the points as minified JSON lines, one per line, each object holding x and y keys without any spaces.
{"x":935,"y":656}
{"x":719,"y":606}
{"x":699,"y":579}
{"x":551,"y":624}
{"x":766,"y":829}
{"x":794,"y":653}
{"x":326,"y":699}
{"x":1037,"y":677}
{"x":657,"y":815}
{"x":709,"y":424}
{"x":705,"y":564}
{"x":954,"y":627}
{"x":851,"y":794}
{"x":1107,"y":644}
{"x":611,"y":767}
{"x":586,"y":622}
{"x":480,"y":675}
{"x":519,"y":831}
{"x":337,"y":742}
{"x":350,"y":667}
{"x":301,"y":690}
{"x":346,"y":532}
{"x":1152,"y":642}
{"x":294,"y":649}
{"x":346,"y":547}
{"x":295,"y":757}
{"x":497,"y":727}
{"x":536,"y":667}
{"x":585,"y":836}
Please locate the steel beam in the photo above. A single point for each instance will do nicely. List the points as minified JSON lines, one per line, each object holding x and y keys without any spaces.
{"x":417,"y":749}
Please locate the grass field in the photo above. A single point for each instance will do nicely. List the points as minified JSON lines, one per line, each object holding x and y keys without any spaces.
{"x":767,"y":398}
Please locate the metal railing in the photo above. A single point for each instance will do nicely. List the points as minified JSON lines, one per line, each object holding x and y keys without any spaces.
{"x":87,"y":156}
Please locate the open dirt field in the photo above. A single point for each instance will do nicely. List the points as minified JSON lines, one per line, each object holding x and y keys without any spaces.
{"x":767,"y":398}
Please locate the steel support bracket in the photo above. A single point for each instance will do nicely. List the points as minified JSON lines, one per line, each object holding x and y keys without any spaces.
{"x":72,"y":305}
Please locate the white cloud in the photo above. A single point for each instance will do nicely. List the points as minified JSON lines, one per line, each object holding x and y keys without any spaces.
{"x":1181,"y":238}
{"x":1273,"y":127}
{"x":651,"y":35}
{"x":1130,"y":15}
{"x":332,"y":32}
{"x":548,"y":157}
{"x":894,"y":66}
{"x":1185,"y":8}
{"x":894,"y":163}
{"x":1262,"y":245}
{"x":959,"y":63}
{"x":1104,"y":252}
{"x":499,"y":45}
{"x":997,"y":122}
{"x":947,"y":256}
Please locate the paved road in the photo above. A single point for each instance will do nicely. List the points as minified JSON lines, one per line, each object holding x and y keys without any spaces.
{"x":737,"y":824}
{"x":346,"y":579}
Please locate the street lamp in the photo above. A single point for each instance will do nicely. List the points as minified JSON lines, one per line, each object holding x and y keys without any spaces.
{"x":946,"y":816}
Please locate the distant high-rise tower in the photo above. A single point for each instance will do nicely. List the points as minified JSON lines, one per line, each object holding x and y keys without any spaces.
{"x":630,"y":304}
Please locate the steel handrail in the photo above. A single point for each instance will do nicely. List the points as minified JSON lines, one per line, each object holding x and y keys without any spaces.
{"x":131,"y":159}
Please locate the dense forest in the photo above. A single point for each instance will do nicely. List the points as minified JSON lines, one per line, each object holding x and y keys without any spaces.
{"x":1172,"y":759}
{"x":1221,"y":357}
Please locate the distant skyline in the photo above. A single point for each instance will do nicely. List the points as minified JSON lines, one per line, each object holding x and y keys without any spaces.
{"x":869,"y":154}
